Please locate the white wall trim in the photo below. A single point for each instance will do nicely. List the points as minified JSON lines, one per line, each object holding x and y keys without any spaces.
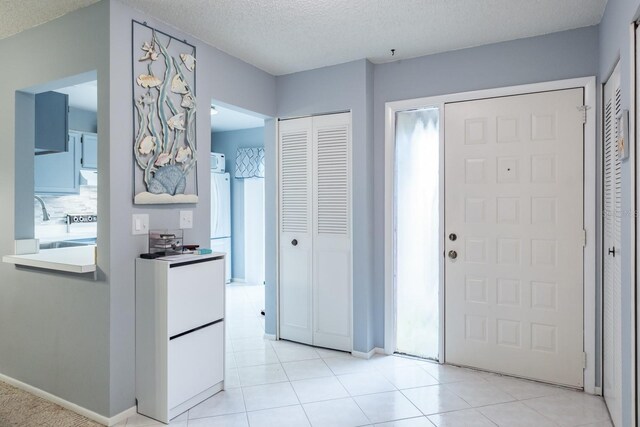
{"x":237,"y":280}
{"x":68,"y":405}
{"x":123,"y":416}
{"x":590,"y":203}
{"x":276,"y":174}
{"x":369,"y":354}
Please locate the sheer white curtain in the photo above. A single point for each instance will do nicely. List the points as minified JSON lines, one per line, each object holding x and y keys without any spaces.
{"x":417,"y":219}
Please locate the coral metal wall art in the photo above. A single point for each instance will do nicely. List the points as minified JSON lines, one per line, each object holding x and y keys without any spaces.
{"x":164,"y":102}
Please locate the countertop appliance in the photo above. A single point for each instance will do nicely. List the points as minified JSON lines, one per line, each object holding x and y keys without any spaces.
{"x":221,"y":217}
{"x":217,"y":163}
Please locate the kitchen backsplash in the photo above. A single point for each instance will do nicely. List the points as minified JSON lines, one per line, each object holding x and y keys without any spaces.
{"x":58,"y":206}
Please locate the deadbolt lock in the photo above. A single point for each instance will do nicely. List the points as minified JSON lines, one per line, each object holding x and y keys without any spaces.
{"x":453,"y":237}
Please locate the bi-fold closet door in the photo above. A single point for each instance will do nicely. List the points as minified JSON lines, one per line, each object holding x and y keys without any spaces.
{"x":315,"y":266}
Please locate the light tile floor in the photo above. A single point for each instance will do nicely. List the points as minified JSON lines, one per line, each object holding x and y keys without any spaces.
{"x":279,"y":383}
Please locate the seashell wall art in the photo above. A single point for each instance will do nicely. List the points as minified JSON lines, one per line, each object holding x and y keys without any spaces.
{"x":164,"y":100}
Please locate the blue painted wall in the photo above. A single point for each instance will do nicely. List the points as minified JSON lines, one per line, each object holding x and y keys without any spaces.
{"x":83,"y":120}
{"x":228,"y":143}
{"x":331,"y":89}
{"x":557,"y":56}
{"x":364,"y":89}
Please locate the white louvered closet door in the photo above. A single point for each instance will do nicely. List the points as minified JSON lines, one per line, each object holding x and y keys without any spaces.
{"x":296,"y":244}
{"x":612,"y":372}
{"x":315,"y":231}
{"x":332,"y":231}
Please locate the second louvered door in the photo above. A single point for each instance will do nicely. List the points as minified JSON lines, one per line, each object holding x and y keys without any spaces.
{"x":332,"y":232}
{"x":315,"y":231}
{"x":612,"y":186}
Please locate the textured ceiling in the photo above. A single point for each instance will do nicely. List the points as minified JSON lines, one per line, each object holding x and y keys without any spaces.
{"x":285,"y":36}
{"x":18,"y":15}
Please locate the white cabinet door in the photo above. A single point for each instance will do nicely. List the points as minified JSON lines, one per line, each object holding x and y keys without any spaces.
{"x":193,"y":295}
{"x":195,"y":363}
{"x":611,"y":334}
{"x":332,"y":231}
{"x":295,"y":230}
{"x":514,"y":198}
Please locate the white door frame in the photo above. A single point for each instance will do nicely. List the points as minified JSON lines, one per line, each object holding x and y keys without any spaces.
{"x":635,"y":182}
{"x":589,"y":214}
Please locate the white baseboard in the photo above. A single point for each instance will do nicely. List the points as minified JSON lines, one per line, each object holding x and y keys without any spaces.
{"x":68,"y":405}
{"x":270,"y":337}
{"x":122,"y":416}
{"x":368,"y":354}
{"x":237,"y":280}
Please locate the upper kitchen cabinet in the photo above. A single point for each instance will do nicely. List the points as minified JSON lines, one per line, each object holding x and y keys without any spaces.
{"x":51,"y":122}
{"x":89,"y":151}
{"x":59,"y":172}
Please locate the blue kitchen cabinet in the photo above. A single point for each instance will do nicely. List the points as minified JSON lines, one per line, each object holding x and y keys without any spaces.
{"x":59,"y":172}
{"x":51,"y":122}
{"x":89,"y":151}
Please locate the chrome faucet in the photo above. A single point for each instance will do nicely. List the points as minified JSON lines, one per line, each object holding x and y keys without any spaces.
{"x":45,"y":213}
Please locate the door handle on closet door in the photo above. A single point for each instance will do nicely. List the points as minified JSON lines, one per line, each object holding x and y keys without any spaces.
{"x":294,"y":242}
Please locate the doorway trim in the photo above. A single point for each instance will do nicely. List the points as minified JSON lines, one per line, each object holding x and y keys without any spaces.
{"x":589,"y":212}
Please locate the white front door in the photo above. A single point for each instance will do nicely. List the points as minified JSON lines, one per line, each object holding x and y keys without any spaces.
{"x":296,"y":245}
{"x":515,"y":236}
{"x":611,"y":334}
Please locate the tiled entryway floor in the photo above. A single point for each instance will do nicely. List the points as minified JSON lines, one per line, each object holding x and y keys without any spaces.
{"x":280,"y":384}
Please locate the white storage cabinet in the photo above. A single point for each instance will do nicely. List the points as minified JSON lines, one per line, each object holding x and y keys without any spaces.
{"x":179,"y":333}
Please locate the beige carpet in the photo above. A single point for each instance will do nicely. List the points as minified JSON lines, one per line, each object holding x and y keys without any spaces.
{"x":19,"y":408}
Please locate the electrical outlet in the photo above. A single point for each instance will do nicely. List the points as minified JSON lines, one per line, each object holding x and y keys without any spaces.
{"x":186,"y":219}
{"x":140,"y":224}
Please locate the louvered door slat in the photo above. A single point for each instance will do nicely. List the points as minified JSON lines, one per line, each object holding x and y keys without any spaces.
{"x":294,"y":181}
{"x":332,"y":153}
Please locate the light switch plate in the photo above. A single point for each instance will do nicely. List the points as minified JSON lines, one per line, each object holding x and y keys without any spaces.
{"x":140,"y":224}
{"x":186,"y":219}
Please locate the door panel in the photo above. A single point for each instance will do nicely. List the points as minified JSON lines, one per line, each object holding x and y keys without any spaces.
{"x":612,"y":369}
{"x":296,"y":230}
{"x":514,"y":197}
{"x":332,"y":231}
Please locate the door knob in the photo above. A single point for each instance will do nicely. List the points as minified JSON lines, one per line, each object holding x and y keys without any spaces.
{"x":294,"y":242}
{"x":453,"y":237}
{"x":612,"y":251}
{"x":453,"y":254}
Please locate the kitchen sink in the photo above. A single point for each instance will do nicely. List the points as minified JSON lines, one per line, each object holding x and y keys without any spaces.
{"x":68,"y":243}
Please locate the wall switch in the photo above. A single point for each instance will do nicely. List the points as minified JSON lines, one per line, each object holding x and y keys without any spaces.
{"x":140,"y":224}
{"x":186,"y":219}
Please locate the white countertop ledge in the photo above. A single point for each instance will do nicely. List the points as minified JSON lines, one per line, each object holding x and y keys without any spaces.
{"x":78,"y":259}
